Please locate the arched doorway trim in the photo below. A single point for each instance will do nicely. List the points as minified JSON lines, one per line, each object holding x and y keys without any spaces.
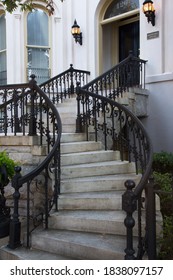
{"x":119,"y":7}
{"x":109,"y":33}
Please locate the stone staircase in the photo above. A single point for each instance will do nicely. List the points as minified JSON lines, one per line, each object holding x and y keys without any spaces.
{"x":90,"y":222}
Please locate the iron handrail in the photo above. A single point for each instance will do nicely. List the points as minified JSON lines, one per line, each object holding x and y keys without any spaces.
{"x":47,"y":160}
{"x":70,"y":70}
{"x":64,"y":85}
{"x":130,"y":72}
{"x":116,"y":123}
{"x":93,"y":107}
{"x":27,"y":105}
{"x":149,"y":158}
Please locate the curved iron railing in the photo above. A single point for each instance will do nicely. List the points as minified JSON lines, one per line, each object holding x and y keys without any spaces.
{"x":130,"y":72}
{"x":64,"y":85}
{"x":101,"y":117}
{"x":27,"y":111}
{"x":117,"y":127}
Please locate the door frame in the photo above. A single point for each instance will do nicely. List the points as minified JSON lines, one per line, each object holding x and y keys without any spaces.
{"x":116,"y":21}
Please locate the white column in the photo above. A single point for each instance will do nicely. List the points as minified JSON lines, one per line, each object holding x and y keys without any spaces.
{"x":14,"y":48}
{"x":17,"y":49}
{"x":10,"y":41}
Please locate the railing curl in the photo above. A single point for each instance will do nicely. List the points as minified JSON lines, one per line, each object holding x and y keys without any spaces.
{"x":27,"y":111}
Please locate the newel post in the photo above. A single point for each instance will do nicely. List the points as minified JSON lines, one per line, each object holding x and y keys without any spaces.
{"x":15,"y":224}
{"x":71,"y":79}
{"x":129,"y":205}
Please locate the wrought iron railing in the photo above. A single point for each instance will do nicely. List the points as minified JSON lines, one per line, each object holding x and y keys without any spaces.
{"x":112,"y":84}
{"x":102,"y":118}
{"x":116,"y":126}
{"x":64,"y":85}
{"x":27,"y":111}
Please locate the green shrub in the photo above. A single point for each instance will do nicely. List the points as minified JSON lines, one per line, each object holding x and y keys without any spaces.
{"x":163,"y":178}
{"x":8,"y":162}
{"x":165,"y":242}
{"x":163,"y":162}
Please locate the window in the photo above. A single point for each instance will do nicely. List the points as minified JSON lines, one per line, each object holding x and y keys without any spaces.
{"x":118,"y":7}
{"x":3,"y":63}
{"x":38,"y":45}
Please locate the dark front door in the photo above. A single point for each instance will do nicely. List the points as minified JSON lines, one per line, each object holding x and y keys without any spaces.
{"x":128,"y":40}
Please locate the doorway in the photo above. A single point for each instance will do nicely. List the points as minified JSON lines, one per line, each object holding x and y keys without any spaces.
{"x":128,"y":40}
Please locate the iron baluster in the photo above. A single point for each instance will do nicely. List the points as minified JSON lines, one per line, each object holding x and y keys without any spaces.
{"x":78,"y":120}
{"x":15,"y":224}
{"x":32,"y":120}
{"x":4,"y":210}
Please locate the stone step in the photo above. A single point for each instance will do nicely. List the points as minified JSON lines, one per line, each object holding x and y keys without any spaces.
{"x":97,"y":183}
{"x":89,"y":157}
{"x":22,"y":253}
{"x":96,"y":169}
{"x":69,"y":106}
{"x":80,"y":245}
{"x":68,"y":128}
{"x":73,"y":137}
{"x":83,"y":146}
{"x":68,"y":119}
{"x":91,"y":201}
{"x":67,"y":102}
{"x":105,"y":222}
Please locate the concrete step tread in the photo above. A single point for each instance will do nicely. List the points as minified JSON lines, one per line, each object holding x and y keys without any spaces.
{"x":70,"y":134}
{"x":88,"y":157}
{"x":91,"y":195}
{"x":92,"y":215}
{"x":79,"y":146}
{"x":90,"y":153}
{"x":79,"y":143}
{"x":106,"y":178}
{"x":94,"y":242}
{"x":22,"y":253}
{"x":98,"y":164}
{"x":97,"y":221}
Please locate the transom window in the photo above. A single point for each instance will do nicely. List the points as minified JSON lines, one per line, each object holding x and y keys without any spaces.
{"x":3,"y":63}
{"x":118,"y":7}
{"x":38,"y":45}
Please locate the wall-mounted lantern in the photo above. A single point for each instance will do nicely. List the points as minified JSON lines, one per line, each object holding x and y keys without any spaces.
{"x":149,"y":11}
{"x":75,"y":30}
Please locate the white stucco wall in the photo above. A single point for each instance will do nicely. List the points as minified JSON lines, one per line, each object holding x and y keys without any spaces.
{"x":82,"y":57}
{"x":159,"y":75}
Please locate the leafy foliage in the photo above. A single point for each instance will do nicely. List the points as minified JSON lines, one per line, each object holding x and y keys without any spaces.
{"x":164,"y":180}
{"x":163,"y":162}
{"x":163,"y":177}
{"x":11,"y":5}
{"x":165,"y":243}
{"x":8,"y":162}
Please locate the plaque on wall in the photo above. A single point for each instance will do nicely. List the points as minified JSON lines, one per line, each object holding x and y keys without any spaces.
{"x":153,"y":35}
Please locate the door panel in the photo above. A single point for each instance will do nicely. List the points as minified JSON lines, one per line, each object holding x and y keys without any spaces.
{"x":128,"y":39}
